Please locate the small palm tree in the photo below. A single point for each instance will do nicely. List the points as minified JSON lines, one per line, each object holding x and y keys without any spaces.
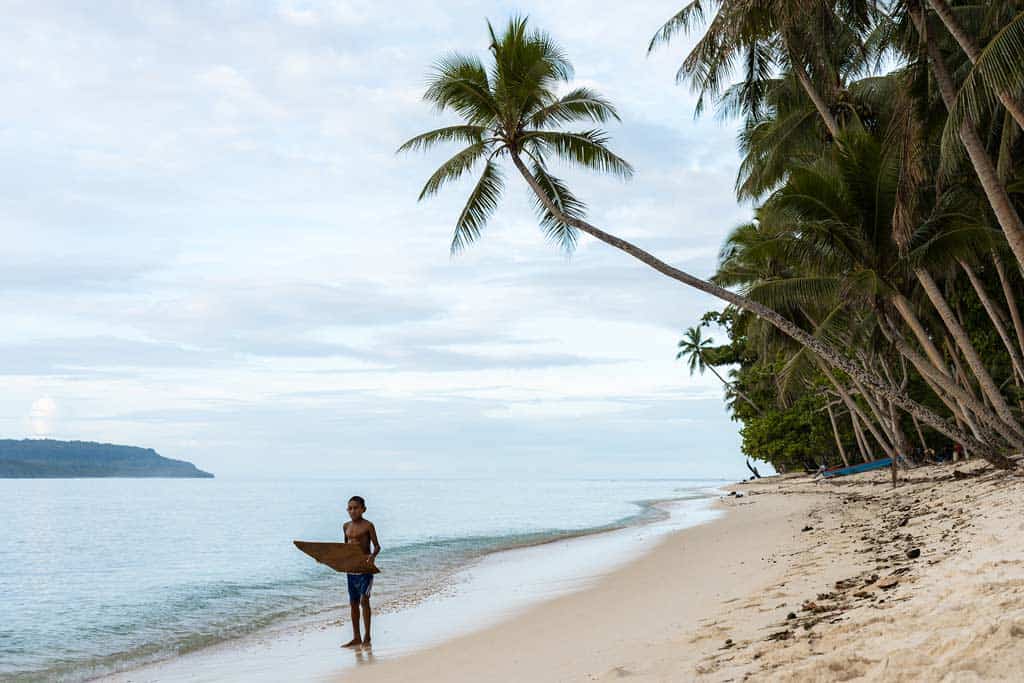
{"x":510,"y":110}
{"x":691,"y":349}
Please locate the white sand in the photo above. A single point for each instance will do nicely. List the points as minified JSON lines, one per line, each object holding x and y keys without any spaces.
{"x":711,"y":602}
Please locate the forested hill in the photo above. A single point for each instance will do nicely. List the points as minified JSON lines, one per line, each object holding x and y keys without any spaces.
{"x":46,"y":458}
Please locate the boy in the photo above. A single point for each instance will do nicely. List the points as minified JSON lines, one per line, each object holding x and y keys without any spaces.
{"x":362,"y":532}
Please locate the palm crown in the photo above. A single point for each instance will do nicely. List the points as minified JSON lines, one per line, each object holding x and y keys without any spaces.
{"x":692,"y":347}
{"x":510,"y":109}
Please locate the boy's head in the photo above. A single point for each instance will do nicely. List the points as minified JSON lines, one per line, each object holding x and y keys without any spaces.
{"x":356,"y":507}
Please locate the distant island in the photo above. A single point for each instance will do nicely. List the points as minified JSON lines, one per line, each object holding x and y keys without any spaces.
{"x":50,"y":459}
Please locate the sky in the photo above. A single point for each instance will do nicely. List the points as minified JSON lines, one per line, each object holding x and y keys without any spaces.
{"x":212,"y":249}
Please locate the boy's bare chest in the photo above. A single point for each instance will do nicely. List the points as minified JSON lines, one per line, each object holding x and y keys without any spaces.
{"x":357,"y":533}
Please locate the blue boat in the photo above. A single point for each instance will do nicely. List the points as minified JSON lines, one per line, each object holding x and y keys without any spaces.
{"x":857,"y":469}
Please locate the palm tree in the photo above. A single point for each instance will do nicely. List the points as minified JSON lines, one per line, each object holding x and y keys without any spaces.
{"x":995,"y":191}
{"x":817,"y":42}
{"x":834,"y":219}
{"x":511,"y":111}
{"x":1000,"y":73}
{"x":692,"y":348}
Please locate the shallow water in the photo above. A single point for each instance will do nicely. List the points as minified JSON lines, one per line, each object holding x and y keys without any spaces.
{"x":99,"y":574}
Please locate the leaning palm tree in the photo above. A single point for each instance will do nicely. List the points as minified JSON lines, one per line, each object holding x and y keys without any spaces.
{"x":510,"y":110}
{"x":692,"y":348}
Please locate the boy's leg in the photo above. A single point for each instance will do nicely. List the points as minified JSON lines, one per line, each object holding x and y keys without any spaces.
{"x":353,"y":604}
{"x":356,"y":640}
{"x":367,"y":612}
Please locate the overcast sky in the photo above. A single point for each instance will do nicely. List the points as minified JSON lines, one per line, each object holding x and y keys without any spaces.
{"x":210,"y":247}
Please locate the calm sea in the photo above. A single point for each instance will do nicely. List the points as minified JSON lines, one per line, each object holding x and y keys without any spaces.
{"x":99,"y":574}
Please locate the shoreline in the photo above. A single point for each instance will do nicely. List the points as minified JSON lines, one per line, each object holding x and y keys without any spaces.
{"x":564,"y":562}
{"x":633,"y":612}
{"x":847,"y":579}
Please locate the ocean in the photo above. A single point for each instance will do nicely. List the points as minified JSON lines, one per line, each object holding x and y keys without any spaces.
{"x":99,"y":575}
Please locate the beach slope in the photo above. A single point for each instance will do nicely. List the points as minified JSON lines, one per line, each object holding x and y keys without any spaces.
{"x":801,"y":581}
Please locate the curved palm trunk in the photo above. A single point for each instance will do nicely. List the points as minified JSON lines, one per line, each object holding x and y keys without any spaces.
{"x":909,"y":315}
{"x":963,"y":342}
{"x":1011,"y":300}
{"x":876,"y":412}
{"x":729,"y":385}
{"x":920,"y":434}
{"x":819,"y":102}
{"x":960,"y":400}
{"x":991,"y":430}
{"x":973,"y":52}
{"x":899,"y":436}
{"x":861,"y":440}
{"x":835,"y":431}
{"x":963,"y":400}
{"x":852,"y":406}
{"x":865,"y":451}
{"x":962,"y":378}
{"x":996,"y":193}
{"x":995,"y":315}
{"x":825,"y":351}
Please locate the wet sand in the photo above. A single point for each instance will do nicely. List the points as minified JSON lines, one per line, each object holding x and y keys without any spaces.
{"x":798,"y":581}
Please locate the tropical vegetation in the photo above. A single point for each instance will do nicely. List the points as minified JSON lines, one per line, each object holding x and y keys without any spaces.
{"x":871,"y":303}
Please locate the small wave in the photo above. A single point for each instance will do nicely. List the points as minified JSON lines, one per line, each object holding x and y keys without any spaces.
{"x":232,"y":610}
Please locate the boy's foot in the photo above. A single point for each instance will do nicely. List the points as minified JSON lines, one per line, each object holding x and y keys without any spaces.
{"x":355,"y":642}
{"x":367,"y":644}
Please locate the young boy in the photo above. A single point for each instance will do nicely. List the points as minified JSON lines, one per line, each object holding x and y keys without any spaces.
{"x":362,"y":532}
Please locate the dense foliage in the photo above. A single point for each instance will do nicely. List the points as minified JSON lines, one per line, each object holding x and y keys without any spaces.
{"x":875,"y":226}
{"x":874,"y":294}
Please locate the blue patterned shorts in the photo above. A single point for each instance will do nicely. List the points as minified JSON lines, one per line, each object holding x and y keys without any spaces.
{"x":359,"y":586}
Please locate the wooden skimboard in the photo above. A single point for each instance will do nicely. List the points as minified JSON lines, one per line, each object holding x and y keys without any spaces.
{"x":341,"y":557}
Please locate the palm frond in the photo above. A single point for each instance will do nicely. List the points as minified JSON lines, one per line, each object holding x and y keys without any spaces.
{"x":999,"y":70}
{"x":683,"y":21}
{"x":556,"y":230}
{"x":469,"y":135}
{"x":576,"y":105}
{"x":482,"y":202}
{"x":454,"y":168}
{"x":586,"y":149}
{"x":460,"y":83}
{"x":794,"y":292}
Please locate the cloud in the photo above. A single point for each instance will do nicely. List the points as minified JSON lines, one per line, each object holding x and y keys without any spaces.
{"x":96,"y":356}
{"x":42,"y":415}
{"x":208,"y":247}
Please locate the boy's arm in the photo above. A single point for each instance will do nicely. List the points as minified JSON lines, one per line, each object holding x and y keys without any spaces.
{"x":374,"y":543}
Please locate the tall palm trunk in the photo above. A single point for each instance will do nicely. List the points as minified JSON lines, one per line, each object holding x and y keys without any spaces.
{"x":851,"y":404}
{"x":996,"y":193}
{"x":998,"y":322}
{"x":865,"y":452}
{"x":835,"y":431}
{"x":899,"y":436}
{"x":973,"y":52}
{"x":920,"y":434}
{"x":989,"y":427}
{"x":812,"y":92}
{"x":729,"y":385}
{"x":910,"y":317}
{"x":937,"y":376}
{"x":963,"y":342}
{"x":787,"y":327}
{"x":876,"y":412}
{"x":1011,"y":300}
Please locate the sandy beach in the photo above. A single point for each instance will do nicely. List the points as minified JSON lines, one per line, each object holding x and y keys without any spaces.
{"x":848,"y":579}
{"x":800,"y":581}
